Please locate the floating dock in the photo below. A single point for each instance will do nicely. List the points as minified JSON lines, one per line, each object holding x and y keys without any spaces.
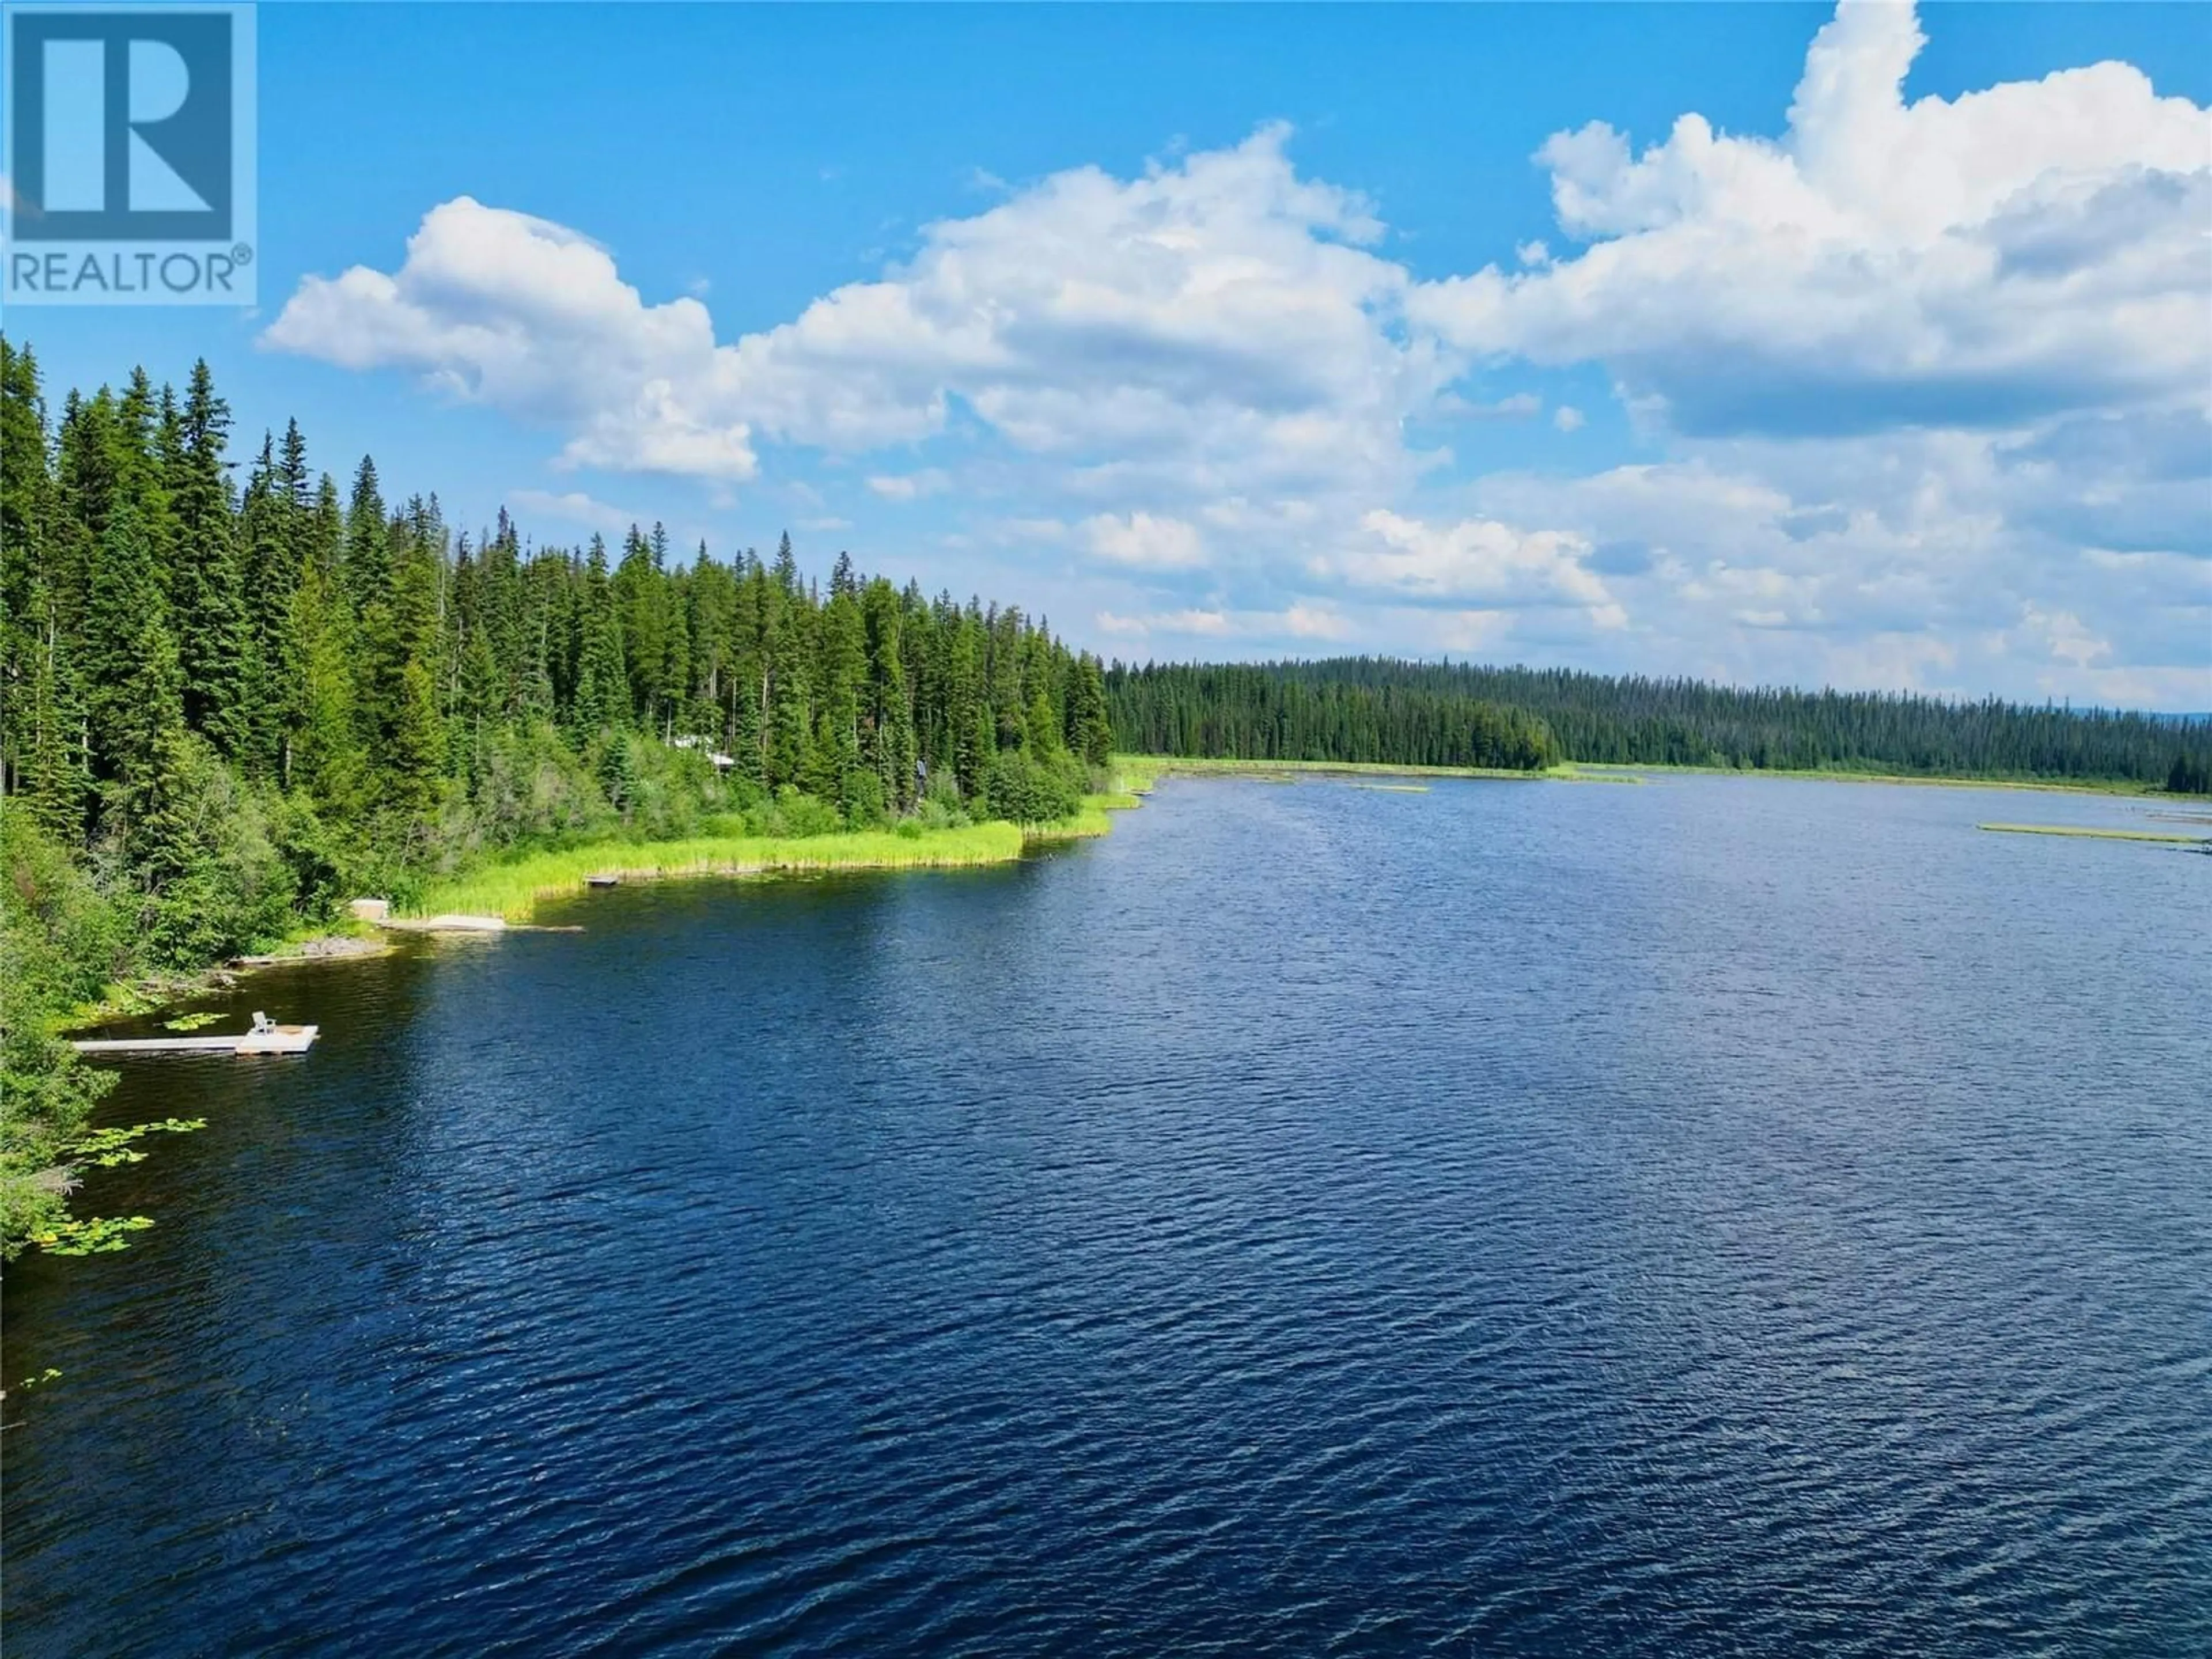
{"x":266,"y":1038}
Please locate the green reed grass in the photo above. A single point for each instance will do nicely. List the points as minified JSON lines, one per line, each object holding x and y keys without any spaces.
{"x":514,"y":889}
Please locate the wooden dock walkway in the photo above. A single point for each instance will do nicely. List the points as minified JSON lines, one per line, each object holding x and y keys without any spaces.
{"x":266,"y":1038}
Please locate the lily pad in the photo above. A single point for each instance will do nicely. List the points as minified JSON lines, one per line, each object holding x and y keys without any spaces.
{"x":96,"y":1236}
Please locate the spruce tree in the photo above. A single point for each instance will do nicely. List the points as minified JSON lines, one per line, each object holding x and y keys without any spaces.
{"x":1042,"y":726}
{"x":29,"y":618}
{"x":320,"y":749}
{"x":367,"y":554}
{"x":889,"y":750}
{"x":47,"y":724}
{"x":133,"y":700}
{"x":790,"y":725}
{"x":1089,"y":732}
{"x":269,"y":561}
{"x":637,"y":598}
{"x":843,"y":674}
{"x":410,"y":720}
{"x":972,"y":730}
{"x":602,"y":699}
{"x":207,"y":595}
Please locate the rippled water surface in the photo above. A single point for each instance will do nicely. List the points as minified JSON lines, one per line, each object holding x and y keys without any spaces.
{"x":1706,"y":1217}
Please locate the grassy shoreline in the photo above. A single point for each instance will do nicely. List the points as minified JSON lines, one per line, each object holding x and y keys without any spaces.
{"x":1607,"y":772}
{"x":513,"y":889}
{"x":1153,"y":767}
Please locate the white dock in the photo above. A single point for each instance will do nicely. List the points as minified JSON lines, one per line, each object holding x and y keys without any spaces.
{"x":266,"y":1038}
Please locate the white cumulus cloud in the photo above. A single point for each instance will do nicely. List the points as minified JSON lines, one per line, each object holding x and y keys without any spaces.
{"x":574,"y":506}
{"x":495,"y":306}
{"x":1144,"y":542}
{"x":2034,"y":248}
{"x":910,"y":486}
{"x":1193,"y":624}
{"x":1219,"y":323}
{"x":1475,"y":561}
{"x":1923,"y":390}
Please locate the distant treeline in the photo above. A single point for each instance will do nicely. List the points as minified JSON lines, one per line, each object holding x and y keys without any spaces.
{"x":1289,"y":711}
{"x":1380,"y":709}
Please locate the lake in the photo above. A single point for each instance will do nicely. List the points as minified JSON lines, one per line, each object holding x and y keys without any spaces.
{"x":1709,"y":1216}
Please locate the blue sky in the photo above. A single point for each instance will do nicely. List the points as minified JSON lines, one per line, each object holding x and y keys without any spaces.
{"x":1226,"y":332}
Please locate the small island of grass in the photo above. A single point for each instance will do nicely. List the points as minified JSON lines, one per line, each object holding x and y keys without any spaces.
{"x":2092,"y":833}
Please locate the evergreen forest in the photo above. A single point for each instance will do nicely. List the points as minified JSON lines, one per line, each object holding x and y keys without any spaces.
{"x":233,"y":694}
{"x":1410,"y":713}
